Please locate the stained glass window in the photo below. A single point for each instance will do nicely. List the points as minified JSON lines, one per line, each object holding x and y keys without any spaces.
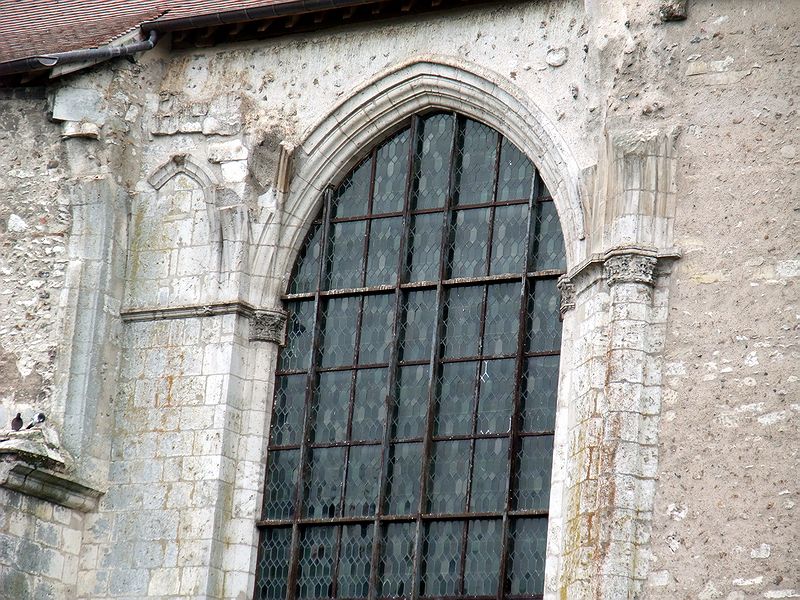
{"x":411,"y":440}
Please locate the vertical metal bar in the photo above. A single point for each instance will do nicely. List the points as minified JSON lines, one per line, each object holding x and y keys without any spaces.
{"x":518,"y":371}
{"x":393,"y":360}
{"x":291,"y":586}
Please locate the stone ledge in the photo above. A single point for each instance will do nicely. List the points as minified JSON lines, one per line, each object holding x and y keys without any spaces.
{"x":186,"y":312}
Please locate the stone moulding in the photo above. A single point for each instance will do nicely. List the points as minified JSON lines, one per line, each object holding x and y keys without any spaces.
{"x":188,"y":312}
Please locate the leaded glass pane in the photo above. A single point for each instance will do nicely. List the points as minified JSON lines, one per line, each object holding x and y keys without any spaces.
{"x":411,"y":404}
{"x":482,"y":563}
{"x":463,"y":321}
{"x":502,"y":319}
{"x":516,"y":174}
{"x":346,"y":255}
{"x":527,"y":555}
{"x":489,"y":475}
{"x":549,"y":241}
{"x":306,"y":269}
{"x":475,"y":164}
{"x":496,"y":402}
{"x":338,"y":331}
{"x":533,"y":476}
{"x":441,"y":555}
{"x":317,"y":548}
{"x":296,"y":354}
{"x":282,"y":475}
{"x":377,"y":322}
{"x":424,"y":247}
{"x":273,"y":564}
{"x":397,"y":560}
{"x":416,"y":333}
{"x":350,"y":198}
{"x":432,"y":161}
{"x":287,"y":409}
{"x":403,"y":479}
{"x":544,"y":326}
{"x":324,"y":484}
{"x":469,"y":243}
{"x":354,"y":561}
{"x":331,"y":403}
{"x":369,"y":410}
{"x":384,"y":250}
{"x":508,"y":240}
{"x":456,"y":392}
{"x":449,"y":471}
{"x":539,"y":394}
{"x":363,"y":477}
{"x":391,"y":173}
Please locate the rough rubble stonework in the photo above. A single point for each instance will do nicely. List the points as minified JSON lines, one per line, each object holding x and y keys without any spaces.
{"x":150,"y":211}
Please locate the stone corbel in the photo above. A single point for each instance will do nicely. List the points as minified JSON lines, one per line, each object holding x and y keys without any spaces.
{"x":268,"y":326}
{"x":567,"y":289}
{"x":630,"y":268}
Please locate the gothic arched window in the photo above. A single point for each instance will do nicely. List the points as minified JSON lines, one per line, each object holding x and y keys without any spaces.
{"x":412,"y":429}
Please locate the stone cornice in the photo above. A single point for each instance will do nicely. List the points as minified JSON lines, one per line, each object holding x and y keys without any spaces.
{"x":187,"y":312}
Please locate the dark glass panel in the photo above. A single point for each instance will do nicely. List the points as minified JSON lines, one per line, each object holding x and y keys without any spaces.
{"x":548,"y":241}
{"x":369,"y":410}
{"x":544,"y":324}
{"x":527,"y":556}
{"x":475,"y":164}
{"x":449,"y":471}
{"x":296,"y":354}
{"x":346,"y":255}
{"x":533,"y":476}
{"x":482,"y":566}
{"x":402,"y":496}
{"x":397,"y":560}
{"x":273,"y":563}
{"x":287,"y":409}
{"x":424,"y":247}
{"x":317,"y":547}
{"x":391,"y":172}
{"x":516,"y":174}
{"x":462,"y":321}
{"x":350,"y":198}
{"x":432,"y":161}
{"x":384,"y":249}
{"x":331,"y":406}
{"x":508,"y":241}
{"x":470,"y":242}
{"x":338,"y":330}
{"x":377,"y":323}
{"x":354,"y":561}
{"x":539,"y":394}
{"x":502,"y":319}
{"x":363,"y":477}
{"x":417,"y":327}
{"x":307,"y":266}
{"x":282,"y":474}
{"x":324,"y":485}
{"x":489,"y":475}
{"x":496,"y":401}
{"x":456,"y":391}
{"x":411,"y":406}
{"x":441,"y":555}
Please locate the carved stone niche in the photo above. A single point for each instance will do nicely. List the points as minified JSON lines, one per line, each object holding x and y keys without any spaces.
{"x":268,"y":326}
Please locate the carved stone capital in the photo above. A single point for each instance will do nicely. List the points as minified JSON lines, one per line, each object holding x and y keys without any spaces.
{"x":567,"y":289}
{"x":630,"y":268}
{"x":268,"y":326}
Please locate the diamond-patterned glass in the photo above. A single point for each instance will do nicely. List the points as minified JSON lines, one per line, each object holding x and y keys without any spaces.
{"x":273,"y":564}
{"x":432,"y":161}
{"x":384,"y":251}
{"x":489,"y":475}
{"x":338,"y":330}
{"x":502,"y":319}
{"x":287,"y":409}
{"x":456,"y":391}
{"x":463,"y":321}
{"x":475,"y":163}
{"x":350,"y":198}
{"x":416,"y":333}
{"x":317,"y":549}
{"x":544,"y":326}
{"x":331,"y":403}
{"x":496,"y":401}
{"x":391,"y":173}
{"x":441,"y":555}
{"x":369,"y":409}
{"x":397,"y":560}
{"x":527,"y":555}
{"x":516,"y":174}
{"x":324,"y":484}
{"x":424,"y":247}
{"x":296,"y":354}
{"x":508,"y":239}
{"x":363,"y":477}
{"x":538,"y":405}
{"x":377,"y":321}
{"x":282,"y":474}
{"x":354,"y":561}
{"x":449,"y":472}
{"x":548,"y":241}
{"x":469,"y":243}
{"x":483,"y":557}
{"x":533,"y":475}
{"x":411,"y":403}
{"x":345,"y":255}
{"x":306,"y":269}
{"x":403,"y":479}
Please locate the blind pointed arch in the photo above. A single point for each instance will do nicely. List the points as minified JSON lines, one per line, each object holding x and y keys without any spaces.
{"x":412,"y":427}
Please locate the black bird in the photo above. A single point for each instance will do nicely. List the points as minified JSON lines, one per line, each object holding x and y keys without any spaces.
{"x":37,"y":418}
{"x":16,"y":422}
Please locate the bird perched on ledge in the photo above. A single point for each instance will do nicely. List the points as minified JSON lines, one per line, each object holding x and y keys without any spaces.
{"x":16,"y":422}
{"x":38,"y":418}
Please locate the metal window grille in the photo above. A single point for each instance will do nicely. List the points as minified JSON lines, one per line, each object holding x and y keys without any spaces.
{"x":412,"y":428}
